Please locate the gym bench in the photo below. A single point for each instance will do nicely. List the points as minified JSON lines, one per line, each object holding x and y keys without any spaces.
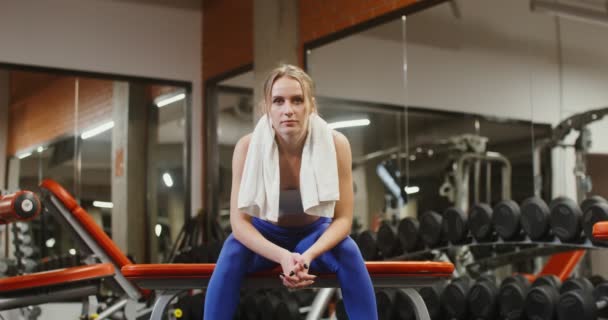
{"x":168,"y":280}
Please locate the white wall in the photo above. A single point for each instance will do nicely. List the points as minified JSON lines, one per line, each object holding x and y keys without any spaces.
{"x":118,"y":37}
{"x":498,"y":59}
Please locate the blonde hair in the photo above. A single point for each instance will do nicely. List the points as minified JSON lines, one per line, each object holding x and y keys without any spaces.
{"x":296,"y":73}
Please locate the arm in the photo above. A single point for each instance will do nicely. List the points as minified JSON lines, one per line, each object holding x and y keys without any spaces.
{"x":340,"y":227}
{"x":242,"y":229}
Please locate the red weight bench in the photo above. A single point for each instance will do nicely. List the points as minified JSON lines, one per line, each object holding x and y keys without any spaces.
{"x":53,"y":286}
{"x":168,"y":280}
{"x":93,"y":241}
{"x":600,"y":231}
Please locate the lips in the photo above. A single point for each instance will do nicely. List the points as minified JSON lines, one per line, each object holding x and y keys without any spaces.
{"x":289,"y":121}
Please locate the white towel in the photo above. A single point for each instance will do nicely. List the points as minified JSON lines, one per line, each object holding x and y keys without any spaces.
{"x":260,"y":183}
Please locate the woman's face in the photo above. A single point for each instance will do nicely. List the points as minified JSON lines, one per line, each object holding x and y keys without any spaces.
{"x":288,"y":109}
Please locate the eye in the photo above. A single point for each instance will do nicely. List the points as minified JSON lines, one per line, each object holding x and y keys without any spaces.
{"x":298,"y":100}
{"x":277,"y":100}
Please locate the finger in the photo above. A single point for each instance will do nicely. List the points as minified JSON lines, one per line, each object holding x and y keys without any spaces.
{"x":304,"y":284}
{"x":306,"y":277}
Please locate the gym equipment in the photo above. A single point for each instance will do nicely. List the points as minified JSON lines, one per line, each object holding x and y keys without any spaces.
{"x":584,"y":303}
{"x":535,"y":217}
{"x":432,"y":299}
{"x":511,"y":297}
{"x":455,"y":225}
{"x":480,"y":223}
{"x":168,"y":280}
{"x":542,"y":298}
{"x":431,"y":229}
{"x":19,"y":206}
{"x":366,"y":241}
{"x":595,"y":209}
{"x":566,"y":219}
{"x":387,"y":241}
{"x":385,"y":299}
{"x":454,"y":298}
{"x":506,"y":220}
{"x":409,"y":234}
{"x":482,"y":299}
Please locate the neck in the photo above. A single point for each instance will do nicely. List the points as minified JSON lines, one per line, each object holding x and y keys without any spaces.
{"x":291,"y":145}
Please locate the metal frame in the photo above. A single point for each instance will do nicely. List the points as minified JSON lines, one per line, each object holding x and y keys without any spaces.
{"x":168,"y":289}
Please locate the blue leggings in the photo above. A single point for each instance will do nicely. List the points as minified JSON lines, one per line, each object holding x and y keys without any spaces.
{"x":236,"y":260}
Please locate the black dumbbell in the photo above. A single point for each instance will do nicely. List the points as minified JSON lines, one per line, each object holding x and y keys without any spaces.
{"x":480,"y":223}
{"x":535,"y":217}
{"x":387,"y":240}
{"x":366,"y":241}
{"x":482,"y":298}
{"x":506,"y":220}
{"x":566,"y":219}
{"x":542,"y":298}
{"x":512,"y":296}
{"x":584,"y":303}
{"x":455,"y":225}
{"x":385,"y":302}
{"x":409,"y":234}
{"x":341,"y":310}
{"x":454,"y":299}
{"x":431,"y":229}
{"x":595,"y":209}
{"x":432,"y":299}
{"x":293,"y":305}
{"x":250,"y":306}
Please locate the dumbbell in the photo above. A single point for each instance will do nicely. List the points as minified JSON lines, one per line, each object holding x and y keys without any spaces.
{"x":341,"y":310}
{"x":584,"y":303}
{"x":250,"y":308}
{"x":506,"y":220}
{"x":542,"y":298}
{"x":535,"y":219}
{"x":387,"y":240}
{"x":482,"y":299}
{"x":294,"y":305}
{"x":455,"y":225}
{"x":595,"y":209}
{"x":409,"y":234}
{"x":385,"y":301}
{"x":22,"y":205}
{"x":454,"y":299}
{"x":366,"y":241}
{"x":431,"y":229}
{"x":566,"y":219}
{"x":512,"y":296}
{"x":480,"y":223}
{"x":432,"y":299}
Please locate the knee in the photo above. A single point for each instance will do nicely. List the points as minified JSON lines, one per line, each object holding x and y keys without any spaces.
{"x":234,"y":255}
{"x":347,"y":249}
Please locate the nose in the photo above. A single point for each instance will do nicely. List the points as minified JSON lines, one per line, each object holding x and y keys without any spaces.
{"x":288,"y":109}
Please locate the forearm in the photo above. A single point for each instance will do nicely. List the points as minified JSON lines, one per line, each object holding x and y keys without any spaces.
{"x":337,"y":231}
{"x":250,"y":237}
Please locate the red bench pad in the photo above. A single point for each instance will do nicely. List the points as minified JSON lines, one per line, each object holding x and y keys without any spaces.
{"x":204,"y":270}
{"x":87,"y":222}
{"x":600,"y":230}
{"x":56,"y":277}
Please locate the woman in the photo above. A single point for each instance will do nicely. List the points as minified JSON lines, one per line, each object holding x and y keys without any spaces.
{"x":283,"y":225}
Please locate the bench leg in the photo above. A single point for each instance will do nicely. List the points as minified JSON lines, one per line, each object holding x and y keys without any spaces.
{"x":320,"y":303}
{"x":422,"y":313}
{"x":113,"y":308}
{"x":161,"y":303}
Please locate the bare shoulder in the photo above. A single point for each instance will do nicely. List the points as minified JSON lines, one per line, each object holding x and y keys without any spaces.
{"x":342,"y":144}
{"x":240,"y":150}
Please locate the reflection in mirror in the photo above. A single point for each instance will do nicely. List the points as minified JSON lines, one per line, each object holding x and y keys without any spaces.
{"x":63,"y":128}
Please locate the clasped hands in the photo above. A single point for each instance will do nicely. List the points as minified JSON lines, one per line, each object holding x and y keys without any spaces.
{"x":295,"y":271}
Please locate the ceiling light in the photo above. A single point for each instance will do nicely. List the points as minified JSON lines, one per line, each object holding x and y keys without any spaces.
{"x":168,"y":180}
{"x":72,"y":251}
{"x":349,"y":123}
{"x":103,"y":204}
{"x":40,"y":149}
{"x":97,"y":130}
{"x":158,"y":229}
{"x":170,"y":99}
{"x":411,"y":190}
{"x":24,"y":155}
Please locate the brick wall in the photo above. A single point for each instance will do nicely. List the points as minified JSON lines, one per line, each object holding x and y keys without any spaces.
{"x":50,"y":112}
